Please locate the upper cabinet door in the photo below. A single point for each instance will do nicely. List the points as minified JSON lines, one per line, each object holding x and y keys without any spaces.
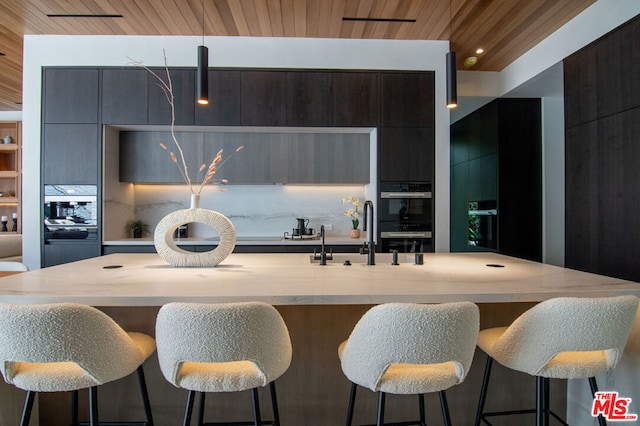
{"x":406,"y":154}
{"x":308,"y":98}
{"x":356,"y":99}
{"x":408,"y":99}
{"x":224,"y":100}
{"x":184,"y":92}
{"x":124,"y":96}
{"x":71,"y":95}
{"x":263,"y":98}
{"x":70,"y":153}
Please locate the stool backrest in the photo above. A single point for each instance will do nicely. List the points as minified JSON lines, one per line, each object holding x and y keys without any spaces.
{"x":65,"y":332}
{"x":567,"y":324}
{"x":407,"y":333}
{"x":217,"y":333}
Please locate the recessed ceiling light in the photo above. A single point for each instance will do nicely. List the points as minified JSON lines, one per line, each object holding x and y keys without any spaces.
{"x":479,"y":50}
{"x":470,"y":61}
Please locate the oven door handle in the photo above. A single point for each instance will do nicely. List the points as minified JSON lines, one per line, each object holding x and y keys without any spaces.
{"x":405,"y":195}
{"x":406,"y":234}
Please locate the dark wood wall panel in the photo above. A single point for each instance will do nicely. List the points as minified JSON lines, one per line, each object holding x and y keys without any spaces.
{"x":602,"y":153}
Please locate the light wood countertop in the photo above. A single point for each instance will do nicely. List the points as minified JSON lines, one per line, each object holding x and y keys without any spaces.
{"x":291,"y":279}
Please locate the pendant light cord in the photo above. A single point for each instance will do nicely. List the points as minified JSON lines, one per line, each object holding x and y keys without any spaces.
{"x":203,"y":21}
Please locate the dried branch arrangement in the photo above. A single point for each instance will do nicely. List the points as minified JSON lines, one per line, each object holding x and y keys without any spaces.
{"x":179,"y":160}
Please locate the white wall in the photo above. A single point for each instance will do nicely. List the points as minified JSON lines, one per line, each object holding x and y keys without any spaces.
{"x":42,"y":51}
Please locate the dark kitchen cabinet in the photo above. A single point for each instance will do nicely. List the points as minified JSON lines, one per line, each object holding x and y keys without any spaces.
{"x":71,"y":95}
{"x":125,"y":96}
{"x":70,"y":154}
{"x":329,"y":158}
{"x":496,"y":157}
{"x":263,"y":160}
{"x":309,"y":98}
{"x":355,"y":99}
{"x":406,"y":154}
{"x":407,"y":99}
{"x":143,"y":160}
{"x":224,"y":100}
{"x":184,"y":92}
{"x":65,"y":251}
{"x":263,"y":98}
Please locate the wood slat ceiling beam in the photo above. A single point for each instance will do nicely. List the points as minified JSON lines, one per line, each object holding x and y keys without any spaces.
{"x":506,"y":29}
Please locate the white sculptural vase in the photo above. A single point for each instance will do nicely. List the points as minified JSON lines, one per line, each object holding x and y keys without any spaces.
{"x":174,"y":255}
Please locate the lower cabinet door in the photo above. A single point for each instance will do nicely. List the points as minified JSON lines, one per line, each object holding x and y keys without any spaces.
{"x":56,"y":253}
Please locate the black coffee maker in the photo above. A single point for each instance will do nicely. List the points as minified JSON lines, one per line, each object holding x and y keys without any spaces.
{"x":302,"y":228}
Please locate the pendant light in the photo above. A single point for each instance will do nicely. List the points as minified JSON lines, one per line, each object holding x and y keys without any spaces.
{"x":452,"y":84}
{"x":452,"y":90}
{"x":202,"y":90}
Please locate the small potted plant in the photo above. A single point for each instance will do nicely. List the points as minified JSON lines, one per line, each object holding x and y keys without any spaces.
{"x":137,"y":227}
{"x":353,"y":214}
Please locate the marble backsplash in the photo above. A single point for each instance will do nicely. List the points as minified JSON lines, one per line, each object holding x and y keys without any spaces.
{"x":255,"y":210}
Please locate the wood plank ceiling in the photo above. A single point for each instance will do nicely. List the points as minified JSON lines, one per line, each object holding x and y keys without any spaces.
{"x":505,"y":29}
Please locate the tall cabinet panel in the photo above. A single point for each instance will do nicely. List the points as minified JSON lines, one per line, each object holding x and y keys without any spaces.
{"x":71,"y":95}
{"x":184,"y":92}
{"x":263,"y":98}
{"x":355,"y":99}
{"x":406,"y":154}
{"x":602,"y":153}
{"x":407,"y":99}
{"x":71,"y":154}
{"x":308,"y":98}
{"x":125,"y":96}
{"x":70,"y":147}
{"x":224,"y":100}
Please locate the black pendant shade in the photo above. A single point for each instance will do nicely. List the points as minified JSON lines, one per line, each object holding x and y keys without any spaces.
{"x":202,"y":90}
{"x":452,"y":89}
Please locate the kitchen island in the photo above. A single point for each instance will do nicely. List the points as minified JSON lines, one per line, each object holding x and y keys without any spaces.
{"x":320,"y":305}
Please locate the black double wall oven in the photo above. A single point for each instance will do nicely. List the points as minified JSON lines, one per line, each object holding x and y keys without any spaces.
{"x":406,"y":217}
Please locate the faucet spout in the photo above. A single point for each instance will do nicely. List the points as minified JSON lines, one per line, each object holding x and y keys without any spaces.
{"x":371,"y":246}
{"x":323,"y":254}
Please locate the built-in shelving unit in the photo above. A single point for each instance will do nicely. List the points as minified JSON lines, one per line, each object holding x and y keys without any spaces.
{"x":10,"y":173}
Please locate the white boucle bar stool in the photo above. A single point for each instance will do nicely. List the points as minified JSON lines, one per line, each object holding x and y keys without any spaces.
{"x":405,"y":348}
{"x":223,"y":348}
{"x":561,"y":338}
{"x":66,"y":347}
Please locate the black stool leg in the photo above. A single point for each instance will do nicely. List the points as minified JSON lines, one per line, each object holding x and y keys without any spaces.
{"x":93,"y":405}
{"x":189,"y":408}
{"x":145,"y":396}
{"x":352,"y":403}
{"x":539,"y":400}
{"x":483,"y":391}
{"x":445,"y":408}
{"x":201,"y":409}
{"x":256,"y":407}
{"x":28,"y":407}
{"x":274,"y":404}
{"x":381,"y":399}
{"x":545,"y":407}
{"x":594,"y":388}
{"x":74,"y":408}
{"x":421,"y":406}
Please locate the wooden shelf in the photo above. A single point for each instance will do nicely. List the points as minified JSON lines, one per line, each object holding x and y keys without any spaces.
{"x":10,"y":171}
